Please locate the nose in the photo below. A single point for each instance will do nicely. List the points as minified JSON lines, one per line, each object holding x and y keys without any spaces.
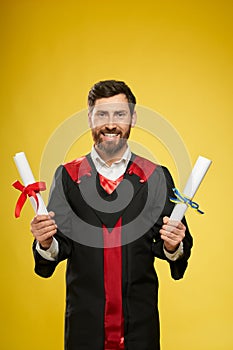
{"x":110,"y":127}
{"x":110,"y":122}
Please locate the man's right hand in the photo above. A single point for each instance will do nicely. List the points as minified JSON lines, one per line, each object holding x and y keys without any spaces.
{"x":43,"y":228}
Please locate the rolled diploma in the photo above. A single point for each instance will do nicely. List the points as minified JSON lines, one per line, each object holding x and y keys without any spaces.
{"x":28,"y":178}
{"x":198,"y":172}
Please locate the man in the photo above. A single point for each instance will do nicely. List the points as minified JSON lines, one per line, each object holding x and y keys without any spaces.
{"x":112,"y":212}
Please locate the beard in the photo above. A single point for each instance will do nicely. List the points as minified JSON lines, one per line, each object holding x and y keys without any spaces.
{"x":110,"y":147}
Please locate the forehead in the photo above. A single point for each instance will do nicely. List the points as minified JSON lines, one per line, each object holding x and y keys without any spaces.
{"x":114,"y":102}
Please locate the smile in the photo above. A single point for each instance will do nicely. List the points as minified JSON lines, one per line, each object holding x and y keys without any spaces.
{"x":110,"y":135}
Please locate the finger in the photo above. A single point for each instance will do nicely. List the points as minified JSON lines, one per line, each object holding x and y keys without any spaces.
{"x":45,"y":229}
{"x":172,"y":227}
{"x":169,"y":238}
{"x":177,"y":224}
{"x":39,"y":229}
{"x":46,"y":236}
{"x":39,"y":218}
{"x":175,"y":234}
{"x":181,"y":226}
{"x":174,"y":223}
{"x":168,"y":235}
{"x":38,"y":233}
{"x":42,"y":224}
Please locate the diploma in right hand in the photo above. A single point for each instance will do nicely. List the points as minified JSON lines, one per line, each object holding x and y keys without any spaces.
{"x":30,"y":188}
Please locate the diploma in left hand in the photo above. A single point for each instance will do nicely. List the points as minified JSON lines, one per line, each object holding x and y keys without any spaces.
{"x":30,"y":188}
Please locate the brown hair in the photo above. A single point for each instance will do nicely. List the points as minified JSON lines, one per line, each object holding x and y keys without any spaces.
{"x":109,"y":88}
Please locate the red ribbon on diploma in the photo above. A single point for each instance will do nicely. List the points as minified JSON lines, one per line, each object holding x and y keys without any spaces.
{"x":29,"y":190}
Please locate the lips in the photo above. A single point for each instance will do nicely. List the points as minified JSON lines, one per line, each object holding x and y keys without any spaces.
{"x":106,"y":136}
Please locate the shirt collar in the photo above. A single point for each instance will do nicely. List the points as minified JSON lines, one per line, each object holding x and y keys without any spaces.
{"x":96,"y":157}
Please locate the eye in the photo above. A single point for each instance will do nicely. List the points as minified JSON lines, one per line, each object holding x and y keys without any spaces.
{"x":121,"y":115}
{"x":100,"y":115}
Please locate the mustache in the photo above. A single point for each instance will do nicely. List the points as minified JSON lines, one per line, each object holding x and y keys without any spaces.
{"x":109,"y":131}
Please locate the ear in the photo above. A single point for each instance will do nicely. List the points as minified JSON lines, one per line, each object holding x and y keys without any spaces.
{"x":134,"y":119}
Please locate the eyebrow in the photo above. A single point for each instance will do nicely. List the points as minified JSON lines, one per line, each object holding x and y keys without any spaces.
{"x":121,"y":111}
{"x":117,"y":111}
{"x":101,"y":111}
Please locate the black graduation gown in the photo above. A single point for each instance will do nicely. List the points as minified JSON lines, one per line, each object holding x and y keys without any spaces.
{"x":78,"y":220}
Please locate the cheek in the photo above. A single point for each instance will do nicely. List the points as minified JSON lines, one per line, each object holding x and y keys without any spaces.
{"x":126,"y":128}
{"x":125,"y":123}
{"x":98,"y":124}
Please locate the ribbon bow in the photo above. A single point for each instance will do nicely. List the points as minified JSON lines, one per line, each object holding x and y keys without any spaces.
{"x":180,"y":198}
{"x":30,"y":190}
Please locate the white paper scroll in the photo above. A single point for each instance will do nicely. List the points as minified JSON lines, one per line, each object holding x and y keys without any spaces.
{"x":198,"y":172}
{"x":28,"y":178}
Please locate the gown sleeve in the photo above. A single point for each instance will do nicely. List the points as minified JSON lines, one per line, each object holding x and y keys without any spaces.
{"x":178,"y":266}
{"x":58,"y":204}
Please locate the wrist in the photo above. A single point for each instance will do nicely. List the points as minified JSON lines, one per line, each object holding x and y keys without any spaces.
{"x":170,"y":249}
{"x":45,"y":245}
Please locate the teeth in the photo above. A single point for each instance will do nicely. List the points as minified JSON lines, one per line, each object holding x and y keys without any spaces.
{"x":110,"y":135}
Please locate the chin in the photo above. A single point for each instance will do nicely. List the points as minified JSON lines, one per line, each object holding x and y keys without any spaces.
{"x":108,"y":148}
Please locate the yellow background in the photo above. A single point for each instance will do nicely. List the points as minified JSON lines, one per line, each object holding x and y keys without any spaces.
{"x":177,"y":57}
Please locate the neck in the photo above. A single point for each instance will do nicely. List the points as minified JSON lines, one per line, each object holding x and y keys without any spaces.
{"x":111,"y":158}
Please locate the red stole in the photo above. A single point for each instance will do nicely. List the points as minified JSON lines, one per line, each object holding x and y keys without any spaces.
{"x":109,"y":185}
{"x":113,"y":316}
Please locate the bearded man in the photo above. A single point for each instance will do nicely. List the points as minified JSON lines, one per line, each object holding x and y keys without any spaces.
{"x":111,"y":221}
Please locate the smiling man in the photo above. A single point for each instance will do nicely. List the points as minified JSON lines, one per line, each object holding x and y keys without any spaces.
{"x":112,"y":212}
{"x":110,"y":120}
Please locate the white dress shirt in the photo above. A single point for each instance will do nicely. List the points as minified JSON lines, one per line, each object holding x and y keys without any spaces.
{"x":111,"y":172}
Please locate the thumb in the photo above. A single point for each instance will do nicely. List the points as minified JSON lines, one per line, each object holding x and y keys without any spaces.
{"x":165,"y":219}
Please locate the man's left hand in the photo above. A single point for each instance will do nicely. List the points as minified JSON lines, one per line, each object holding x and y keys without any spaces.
{"x":172,"y":233}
